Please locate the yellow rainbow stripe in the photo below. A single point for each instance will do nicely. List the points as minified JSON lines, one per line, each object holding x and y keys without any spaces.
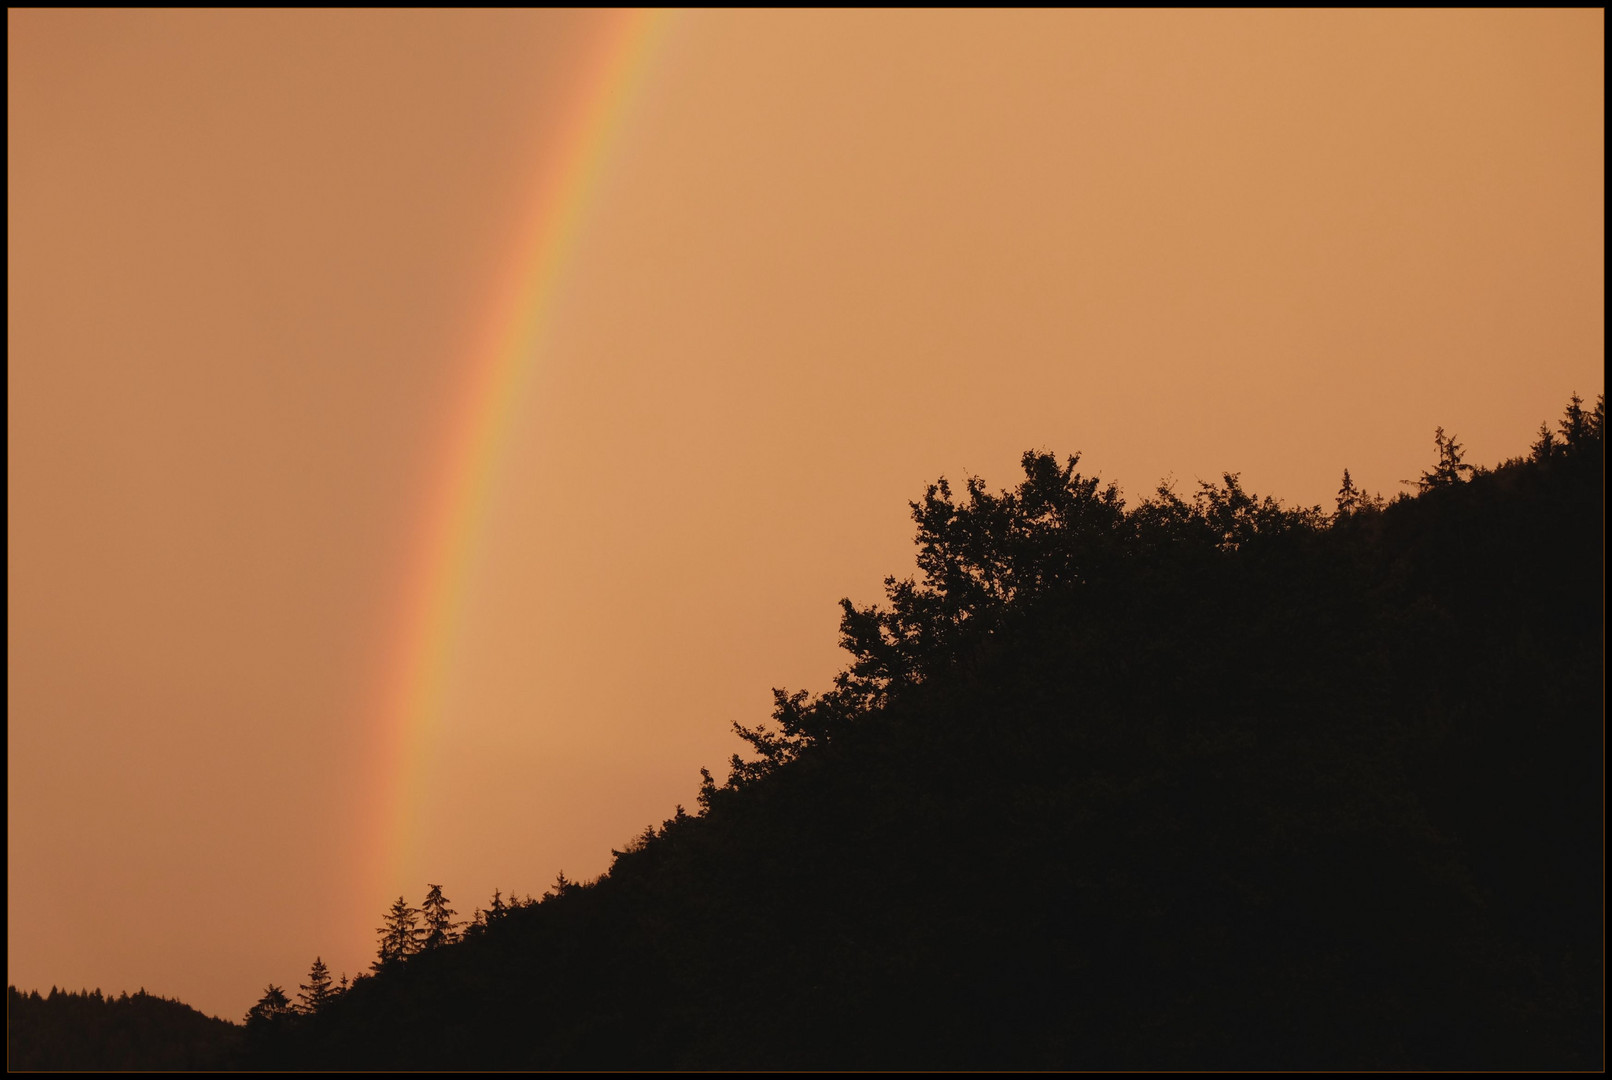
{"x":499,"y":372}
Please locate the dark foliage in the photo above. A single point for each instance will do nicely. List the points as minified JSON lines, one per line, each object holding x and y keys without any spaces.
{"x":88,"y":1032}
{"x":401,"y":935}
{"x":318,"y":991}
{"x":440,"y":927}
{"x":1203,"y":783}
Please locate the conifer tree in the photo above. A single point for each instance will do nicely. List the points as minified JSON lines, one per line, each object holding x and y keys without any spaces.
{"x":485,"y":918}
{"x":1546,"y":445}
{"x":1575,"y":423}
{"x":270,"y":1007}
{"x":1449,"y":470}
{"x":1348,"y":497}
{"x":400,"y":936}
{"x":317,"y":991}
{"x":440,"y":927}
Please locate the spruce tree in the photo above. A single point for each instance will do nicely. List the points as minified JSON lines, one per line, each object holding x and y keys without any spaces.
{"x":317,"y":991}
{"x":1449,"y":470}
{"x":1348,"y":497}
{"x":270,"y":1007}
{"x":1546,"y":445}
{"x":1575,"y":423}
{"x":400,"y":936}
{"x":440,"y":929}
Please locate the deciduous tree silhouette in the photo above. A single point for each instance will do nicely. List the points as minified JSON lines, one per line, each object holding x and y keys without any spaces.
{"x":976,"y":554}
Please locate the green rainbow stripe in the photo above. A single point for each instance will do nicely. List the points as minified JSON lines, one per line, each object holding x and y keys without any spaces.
{"x":500,"y":371}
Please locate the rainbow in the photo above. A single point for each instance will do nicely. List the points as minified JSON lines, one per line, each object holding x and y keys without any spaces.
{"x":498,"y":371}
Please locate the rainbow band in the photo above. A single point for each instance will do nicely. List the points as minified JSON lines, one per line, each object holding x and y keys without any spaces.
{"x":501,"y":370}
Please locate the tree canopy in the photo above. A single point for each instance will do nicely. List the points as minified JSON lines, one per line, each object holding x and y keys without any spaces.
{"x":1205,"y":781}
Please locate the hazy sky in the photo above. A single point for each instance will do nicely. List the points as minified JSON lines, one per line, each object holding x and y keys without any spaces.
{"x":829,"y":257}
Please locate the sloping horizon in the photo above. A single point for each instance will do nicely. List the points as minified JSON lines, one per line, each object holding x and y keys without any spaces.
{"x":823,"y":259}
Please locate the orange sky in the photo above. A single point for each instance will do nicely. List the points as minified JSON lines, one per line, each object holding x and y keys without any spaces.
{"x":831,"y":256}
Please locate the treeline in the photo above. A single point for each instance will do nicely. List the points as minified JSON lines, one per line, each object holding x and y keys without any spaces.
{"x":88,"y":1032}
{"x":405,"y":932}
{"x":1203,"y":782}
{"x":1200,"y":782}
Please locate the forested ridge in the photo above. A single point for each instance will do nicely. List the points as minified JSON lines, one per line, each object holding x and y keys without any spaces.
{"x":89,"y":1031}
{"x":1203,"y":782}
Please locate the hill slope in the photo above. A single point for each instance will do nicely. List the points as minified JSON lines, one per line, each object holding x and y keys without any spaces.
{"x":1205,"y":782}
{"x":88,"y":1032}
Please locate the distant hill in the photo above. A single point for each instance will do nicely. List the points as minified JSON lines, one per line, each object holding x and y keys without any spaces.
{"x":87,"y":1032}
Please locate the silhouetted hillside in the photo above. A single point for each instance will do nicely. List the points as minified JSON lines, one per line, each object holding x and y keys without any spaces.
{"x":1205,"y":782}
{"x":88,"y":1032}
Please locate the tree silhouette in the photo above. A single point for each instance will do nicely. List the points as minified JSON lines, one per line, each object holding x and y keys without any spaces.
{"x":271,"y":1007}
{"x":317,"y":992}
{"x":1449,"y":470}
{"x":1348,"y":497}
{"x":977,"y":554}
{"x":497,"y":908}
{"x":400,"y":935}
{"x":562,"y":886}
{"x":440,"y":929}
{"x":1207,"y":782}
{"x":1575,"y":424}
{"x":1578,"y":431}
{"x":1353,"y":500}
{"x":1546,"y":446}
{"x":138,"y":1031}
